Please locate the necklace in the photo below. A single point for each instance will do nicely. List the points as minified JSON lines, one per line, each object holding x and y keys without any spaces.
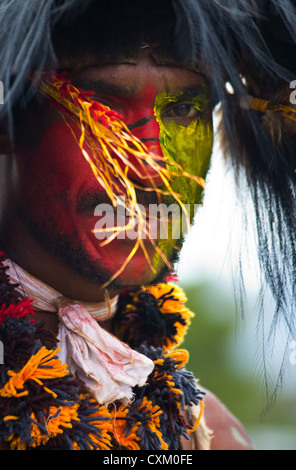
{"x":43,"y":406}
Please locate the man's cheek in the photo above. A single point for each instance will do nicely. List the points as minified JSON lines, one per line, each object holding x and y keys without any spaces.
{"x":50,"y":213}
{"x":190,"y":148}
{"x":49,"y":199}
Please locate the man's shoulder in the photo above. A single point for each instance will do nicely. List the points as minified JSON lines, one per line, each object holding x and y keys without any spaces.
{"x":227,"y":432}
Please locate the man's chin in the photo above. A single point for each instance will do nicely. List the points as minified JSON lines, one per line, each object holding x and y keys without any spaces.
{"x":106,"y":270}
{"x":132,"y":276}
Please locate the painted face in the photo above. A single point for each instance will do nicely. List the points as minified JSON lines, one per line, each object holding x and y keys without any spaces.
{"x":169,"y":109}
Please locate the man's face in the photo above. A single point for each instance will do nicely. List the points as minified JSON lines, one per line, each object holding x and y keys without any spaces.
{"x":168,"y":108}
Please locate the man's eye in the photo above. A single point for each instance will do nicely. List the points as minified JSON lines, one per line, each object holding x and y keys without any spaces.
{"x":183,"y":110}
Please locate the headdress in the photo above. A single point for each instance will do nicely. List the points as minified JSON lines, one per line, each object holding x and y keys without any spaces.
{"x":249,"y":44}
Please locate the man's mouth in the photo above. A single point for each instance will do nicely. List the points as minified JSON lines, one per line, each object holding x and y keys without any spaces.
{"x":147,"y":219}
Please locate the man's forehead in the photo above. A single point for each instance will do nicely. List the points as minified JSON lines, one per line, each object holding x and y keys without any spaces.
{"x":87,"y":59}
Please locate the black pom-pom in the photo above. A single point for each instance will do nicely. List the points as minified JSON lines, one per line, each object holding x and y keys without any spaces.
{"x":139,"y":318}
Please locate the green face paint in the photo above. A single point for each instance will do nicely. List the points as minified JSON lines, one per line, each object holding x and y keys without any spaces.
{"x":187,"y":143}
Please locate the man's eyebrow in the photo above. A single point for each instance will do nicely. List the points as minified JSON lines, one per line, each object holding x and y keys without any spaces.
{"x":101,"y":86}
{"x":188,"y":91}
{"x":107,"y":88}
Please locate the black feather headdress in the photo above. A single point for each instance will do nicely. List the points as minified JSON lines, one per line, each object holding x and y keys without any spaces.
{"x":249,"y":44}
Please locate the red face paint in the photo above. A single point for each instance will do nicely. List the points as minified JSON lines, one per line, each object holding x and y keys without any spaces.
{"x":57,"y":190}
{"x":137,"y":112}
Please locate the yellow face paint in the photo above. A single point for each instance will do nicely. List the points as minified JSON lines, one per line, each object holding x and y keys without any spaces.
{"x":186,"y":143}
{"x":189,"y":146}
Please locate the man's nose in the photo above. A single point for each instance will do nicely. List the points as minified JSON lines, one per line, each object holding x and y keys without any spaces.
{"x":147,"y":130}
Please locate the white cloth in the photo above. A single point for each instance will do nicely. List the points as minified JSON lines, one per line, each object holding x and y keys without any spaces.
{"x":108,"y":367}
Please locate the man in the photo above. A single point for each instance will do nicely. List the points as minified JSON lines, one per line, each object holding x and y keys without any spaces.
{"x":144,"y":133}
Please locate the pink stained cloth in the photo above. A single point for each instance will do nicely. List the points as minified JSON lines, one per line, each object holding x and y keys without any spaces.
{"x":108,"y":367}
